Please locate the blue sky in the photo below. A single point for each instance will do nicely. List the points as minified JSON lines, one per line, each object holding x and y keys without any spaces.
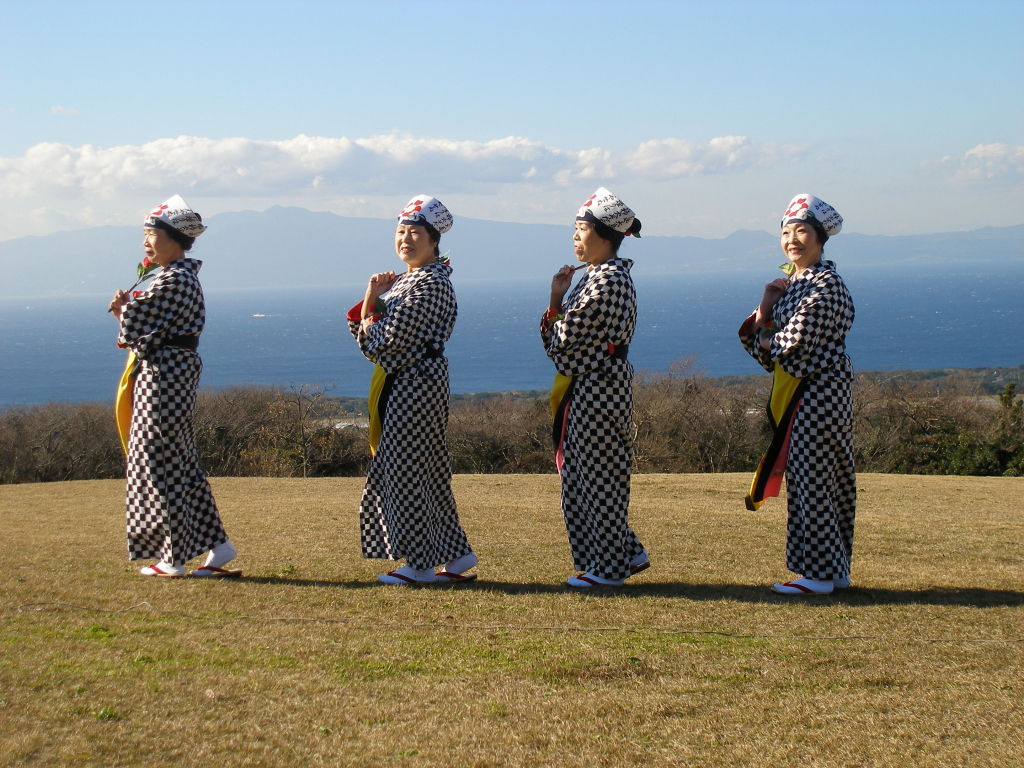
{"x":704,"y":117}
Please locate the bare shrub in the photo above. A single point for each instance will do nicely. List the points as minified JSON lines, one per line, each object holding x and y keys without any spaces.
{"x":501,"y":435}
{"x":905,"y":428}
{"x":59,"y":441}
{"x":274,"y":432}
{"x":232,"y":425}
{"x":685,"y":422}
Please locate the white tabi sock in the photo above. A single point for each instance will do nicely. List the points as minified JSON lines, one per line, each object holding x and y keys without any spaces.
{"x":220,"y":555}
{"x":585,"y":579}
{"x":411,"y":573}
{"x":462,"y":564}
{"x":167,"y":568}
{"x":804,"y":586}
{"x":611,"y":582}
{"x":641,"y":558}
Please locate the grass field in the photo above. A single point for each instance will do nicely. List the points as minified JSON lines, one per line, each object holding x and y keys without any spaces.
{"x":307,"y":661}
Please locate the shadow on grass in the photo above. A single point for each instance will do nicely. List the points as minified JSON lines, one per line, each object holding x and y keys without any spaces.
{"x":744,"y":593}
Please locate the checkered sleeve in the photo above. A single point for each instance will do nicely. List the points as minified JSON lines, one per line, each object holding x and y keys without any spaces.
{"x":170,"y":306}
{"x":749,"y":337}
{"x":410,"y":324}
{"x":807,"y":342}
{"x":546,"y":325}
{"x":578,"y":343}
{"x":354,"y":319}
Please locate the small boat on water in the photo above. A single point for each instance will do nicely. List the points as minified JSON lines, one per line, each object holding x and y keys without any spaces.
{"x":259,"y":315}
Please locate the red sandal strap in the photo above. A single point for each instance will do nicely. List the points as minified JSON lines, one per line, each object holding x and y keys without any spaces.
{"x":398,"y":575}
{"x":801,"y":587}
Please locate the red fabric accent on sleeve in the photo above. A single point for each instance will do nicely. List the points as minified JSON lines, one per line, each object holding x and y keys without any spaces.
{"x":356,"y":313}
{"x":611,"y":348}
{"x":747,"y":329}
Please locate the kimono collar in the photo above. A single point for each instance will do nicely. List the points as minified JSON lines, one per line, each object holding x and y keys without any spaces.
{"x":822,"y":266}
{"x":617,"y":261}
{"x":186,"y":263}
{"x":436,"y":266}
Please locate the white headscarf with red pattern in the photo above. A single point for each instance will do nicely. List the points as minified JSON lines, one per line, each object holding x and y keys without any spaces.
{"x":176,"y":213}
{"x":609,"y":210}
{"x":804,"y":207}
{"x":424,"y":208}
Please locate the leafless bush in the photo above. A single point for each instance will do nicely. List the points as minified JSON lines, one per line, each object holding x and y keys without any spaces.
{"x":240,"y":431}
{"x":275,"y":432}
{"x":905,"y":428}
{"x":59,"y":441}
{"x":501,"y":435}
{"x":684,"y":422}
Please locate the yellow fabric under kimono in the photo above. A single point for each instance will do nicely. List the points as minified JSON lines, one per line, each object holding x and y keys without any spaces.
{"x":377,"y":387}
{"x":782,"y":405}
{"x":123,"y":401}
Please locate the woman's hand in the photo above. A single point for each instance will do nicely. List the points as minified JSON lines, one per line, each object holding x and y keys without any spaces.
{"x":117,"y":303}
{"x":773,"y":291}
{"x":560,"y":285}
{"x":379,"y":284}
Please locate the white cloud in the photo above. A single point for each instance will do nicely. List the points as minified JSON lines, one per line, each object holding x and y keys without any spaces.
{"x":674,"y":158}
{"x":379,"y":165}
{"x":59,"y":110}
{"x":987,"y":164}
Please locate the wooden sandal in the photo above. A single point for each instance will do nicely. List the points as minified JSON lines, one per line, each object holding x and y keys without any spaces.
{"x":213,"y":572}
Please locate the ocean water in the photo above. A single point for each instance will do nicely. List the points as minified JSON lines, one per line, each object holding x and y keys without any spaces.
{"x":917,"y":318}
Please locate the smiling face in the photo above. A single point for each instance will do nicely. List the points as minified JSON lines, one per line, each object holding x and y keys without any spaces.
{"x":414,"y":246}
{"x":160,"y":247}
{"x":590,"y":246}
{"x":801,"y":245}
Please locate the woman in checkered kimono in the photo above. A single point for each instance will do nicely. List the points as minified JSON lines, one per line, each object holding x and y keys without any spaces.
{"x":799,"y":333}
{"x":408,"y":509}
{"x":170,"y":509}
{"x":587,"y":336}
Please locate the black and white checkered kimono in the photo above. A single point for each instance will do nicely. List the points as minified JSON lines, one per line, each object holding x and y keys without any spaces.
{"x":598,"y":448}
{"x":814,"y":317}
{"x":171,"y":512}
{"x":408,"y":509}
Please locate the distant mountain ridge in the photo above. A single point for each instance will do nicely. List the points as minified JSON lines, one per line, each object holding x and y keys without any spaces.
{"x":294,"y":247}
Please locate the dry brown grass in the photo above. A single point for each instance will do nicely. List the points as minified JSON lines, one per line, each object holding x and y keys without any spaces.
{"x":920,"y":664}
